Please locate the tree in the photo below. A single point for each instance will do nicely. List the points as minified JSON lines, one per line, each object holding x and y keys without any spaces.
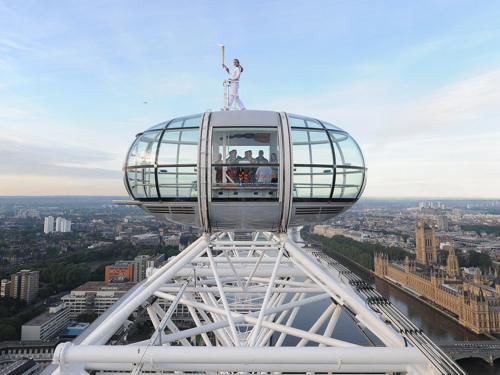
{"x":86,"y":317}
{"x":8,"y":333}
{"x":477,"y":259}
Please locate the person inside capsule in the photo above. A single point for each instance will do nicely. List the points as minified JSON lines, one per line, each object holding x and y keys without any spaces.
{"x":233,"y":172}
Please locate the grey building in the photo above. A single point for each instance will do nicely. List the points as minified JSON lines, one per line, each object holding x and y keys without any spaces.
{"x":47,"y":325}
{"x":143,"y":262}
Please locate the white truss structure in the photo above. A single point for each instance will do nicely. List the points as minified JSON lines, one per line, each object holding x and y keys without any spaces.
{"x":246,"y":302}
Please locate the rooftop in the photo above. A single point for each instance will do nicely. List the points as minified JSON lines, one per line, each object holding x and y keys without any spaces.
{"x":45,"y":317}
{"x":99,"y":286}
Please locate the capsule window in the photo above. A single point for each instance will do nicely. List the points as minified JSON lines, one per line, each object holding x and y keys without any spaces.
{"x":143,"y":151}
{"x":245,"y":163}
{"x":313,"y":172}
{"x":179,"y":147}
{"x":347,"y":151}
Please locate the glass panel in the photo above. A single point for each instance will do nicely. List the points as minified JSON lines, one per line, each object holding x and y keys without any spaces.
{"x":347,"y":151}
{"x":179,"y":147}
{"x":177,"y":182}
{"x":311,"y":147}
{"x":188,"y":154}
{"x":245,"y":163}
{"x":348,"y":183}
{"x":185,"y":122}
{"x":330,"y":126}
{"x":160,"y":126}
{"x":247,"y":143}
{"x":177,"y":123}
{"x":143,"y":151}
{"x":312,"y":182}
{"x":193,"y":122}
{"x":304,"y":122}
{"x":142,"y":182}
{"x":302,"y":154}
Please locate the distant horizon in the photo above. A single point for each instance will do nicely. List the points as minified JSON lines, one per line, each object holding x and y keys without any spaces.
{"x":362,"y":197}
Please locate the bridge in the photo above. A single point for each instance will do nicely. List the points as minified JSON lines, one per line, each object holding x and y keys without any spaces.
{"x":487,"y":350}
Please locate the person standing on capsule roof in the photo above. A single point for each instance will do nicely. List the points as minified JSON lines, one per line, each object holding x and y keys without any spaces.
{"x":235,"y":83}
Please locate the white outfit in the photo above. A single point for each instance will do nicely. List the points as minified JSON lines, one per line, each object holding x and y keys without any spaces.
{"x":235,"y":85}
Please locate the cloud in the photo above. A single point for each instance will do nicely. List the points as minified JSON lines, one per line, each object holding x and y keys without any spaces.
{"x":453,"y":165}
{"x":440,"y":144}
{"x":452,"y":105}
{"x":10,"y":44}
{"x":427,"y":177}
{"x":422,"y":50}
{"x":24,"y":159}
{"x":384,"y":111}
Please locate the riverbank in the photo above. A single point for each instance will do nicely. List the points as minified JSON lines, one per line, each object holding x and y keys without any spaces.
{"x":424,"y":315}
{"x":433,"y":307}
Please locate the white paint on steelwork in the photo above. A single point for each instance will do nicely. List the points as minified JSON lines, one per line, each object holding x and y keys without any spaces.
{"x":243,"y":301}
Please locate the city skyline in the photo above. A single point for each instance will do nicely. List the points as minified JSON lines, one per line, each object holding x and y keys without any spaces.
{"x":416,"y":84}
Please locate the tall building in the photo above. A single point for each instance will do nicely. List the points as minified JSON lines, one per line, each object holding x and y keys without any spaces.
{"x":48,"y":225}
{"x":5,"y":288}
{"x":63,"y":225}
{"x":140,"y":266}
{"x":24,"y":285}
{"x":143,"y":262}
{"x":452,"y":264}
{"x":442,"y":223}
{"x":66,"y":226}
{"x":425,"y":239}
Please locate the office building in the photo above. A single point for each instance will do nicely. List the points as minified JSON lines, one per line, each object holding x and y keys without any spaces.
{"x":94,"y":297}
{"x":121,"y":269}
{"x":47,"y":325}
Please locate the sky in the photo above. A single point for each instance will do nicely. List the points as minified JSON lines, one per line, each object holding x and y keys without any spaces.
{"x":416,"y":83}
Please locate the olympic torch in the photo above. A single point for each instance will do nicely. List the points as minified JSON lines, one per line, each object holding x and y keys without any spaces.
{"x":222,"y":46}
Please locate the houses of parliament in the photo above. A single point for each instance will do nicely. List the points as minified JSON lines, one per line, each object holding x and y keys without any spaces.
{"x":473,"y":299}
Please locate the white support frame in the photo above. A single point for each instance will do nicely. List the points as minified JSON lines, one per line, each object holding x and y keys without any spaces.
{"x":243,"y":298}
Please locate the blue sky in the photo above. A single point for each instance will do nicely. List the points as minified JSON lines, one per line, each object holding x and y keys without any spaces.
{"x":416,"y":83}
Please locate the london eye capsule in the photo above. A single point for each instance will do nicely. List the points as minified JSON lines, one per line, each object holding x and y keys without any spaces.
{"x":244,"y":171}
